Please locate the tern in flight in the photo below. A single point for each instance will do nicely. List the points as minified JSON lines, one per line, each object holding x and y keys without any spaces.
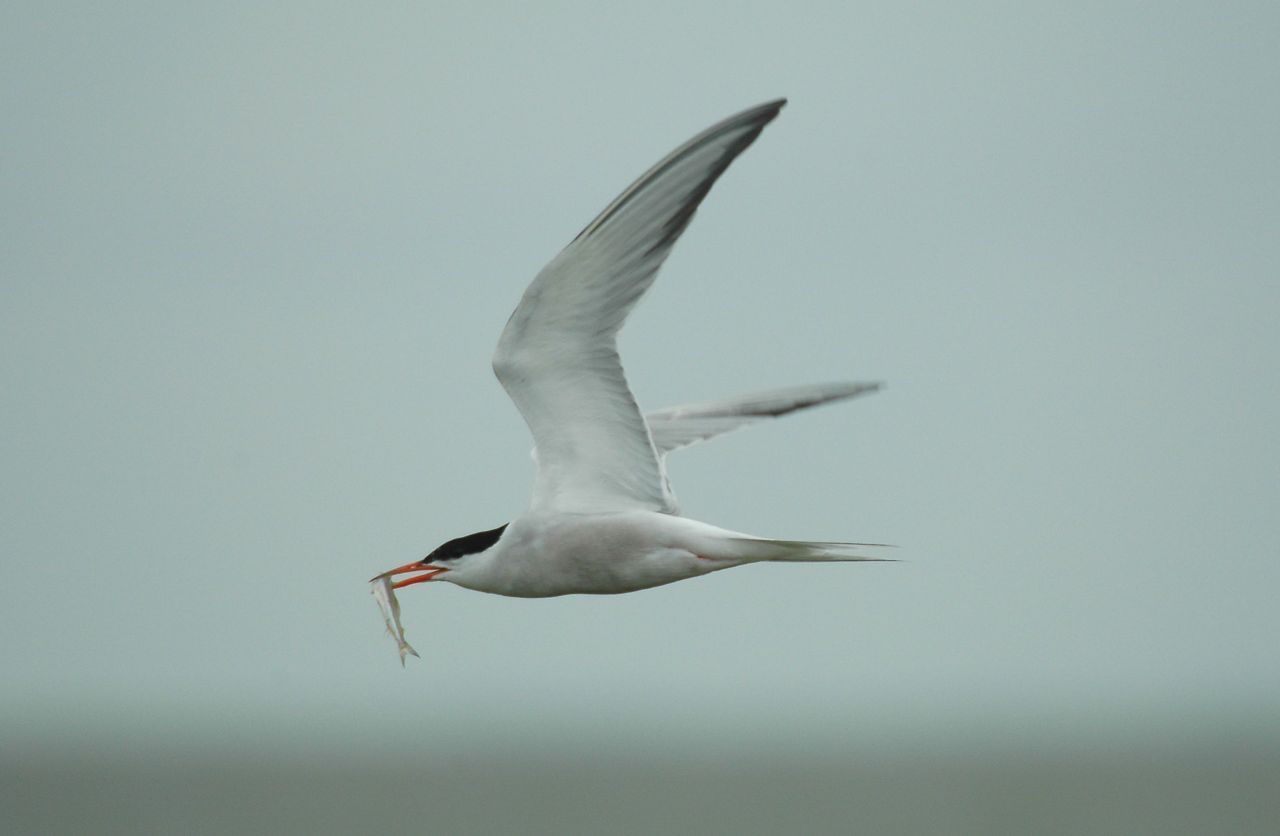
{"x":602,"y":518}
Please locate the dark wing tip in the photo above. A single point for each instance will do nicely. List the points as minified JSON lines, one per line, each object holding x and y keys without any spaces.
{"x":754,"y":121}
{"x":750,"y":122}
{"x":772,"y":106}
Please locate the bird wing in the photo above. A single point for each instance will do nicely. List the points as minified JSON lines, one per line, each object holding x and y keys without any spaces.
{"x":680,"y":426}
{"x":558,"y":355}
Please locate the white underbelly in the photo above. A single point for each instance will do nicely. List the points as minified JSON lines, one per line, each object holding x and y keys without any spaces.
{"x":598,"y":554}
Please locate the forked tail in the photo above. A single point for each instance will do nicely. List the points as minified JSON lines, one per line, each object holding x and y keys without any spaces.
{"x":805,"y":551}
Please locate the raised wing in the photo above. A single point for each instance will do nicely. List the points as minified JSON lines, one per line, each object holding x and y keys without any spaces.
{"x":680,"y":426}
{"x":558,"y":357}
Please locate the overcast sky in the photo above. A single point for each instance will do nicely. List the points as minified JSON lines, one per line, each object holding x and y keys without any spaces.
{"x":255,"y":261}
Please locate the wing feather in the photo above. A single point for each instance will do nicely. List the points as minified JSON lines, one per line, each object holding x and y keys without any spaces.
{"x":557,"y":357}
{"x":680,"y":426}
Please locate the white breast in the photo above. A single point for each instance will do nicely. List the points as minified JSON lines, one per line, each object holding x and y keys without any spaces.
{"x":558,"y":554}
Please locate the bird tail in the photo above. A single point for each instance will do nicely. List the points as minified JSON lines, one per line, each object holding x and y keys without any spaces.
{"x":806,"y":551}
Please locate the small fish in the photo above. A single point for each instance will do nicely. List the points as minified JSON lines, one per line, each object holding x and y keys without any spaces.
{"x":385,"y":595}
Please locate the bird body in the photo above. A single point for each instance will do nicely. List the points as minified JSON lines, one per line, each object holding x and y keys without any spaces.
{"x":602,"y":518}
{"x":555,"y":553}
{"x":542,"y":554}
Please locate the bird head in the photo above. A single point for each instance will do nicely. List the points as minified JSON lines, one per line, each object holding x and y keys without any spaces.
{"x":448,"y":557}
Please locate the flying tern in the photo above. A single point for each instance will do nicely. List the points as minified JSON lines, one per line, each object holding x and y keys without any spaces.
{"x":602,"y":518}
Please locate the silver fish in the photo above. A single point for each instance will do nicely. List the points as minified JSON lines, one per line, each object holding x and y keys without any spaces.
{"x":385,"y":595}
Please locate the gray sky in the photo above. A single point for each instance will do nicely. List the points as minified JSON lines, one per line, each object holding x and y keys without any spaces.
{"x":254,"y":263}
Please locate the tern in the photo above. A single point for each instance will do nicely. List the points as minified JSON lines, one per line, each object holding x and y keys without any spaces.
{"x":602,"y":518}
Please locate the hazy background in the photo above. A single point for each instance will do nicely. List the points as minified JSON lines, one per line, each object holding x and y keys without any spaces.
{"x":254,"y":263}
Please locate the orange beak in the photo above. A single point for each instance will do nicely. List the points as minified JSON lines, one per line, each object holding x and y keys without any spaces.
{"x":429,"y":573}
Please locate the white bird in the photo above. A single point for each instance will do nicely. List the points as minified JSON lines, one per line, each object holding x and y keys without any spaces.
{"x":602,"y":518}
